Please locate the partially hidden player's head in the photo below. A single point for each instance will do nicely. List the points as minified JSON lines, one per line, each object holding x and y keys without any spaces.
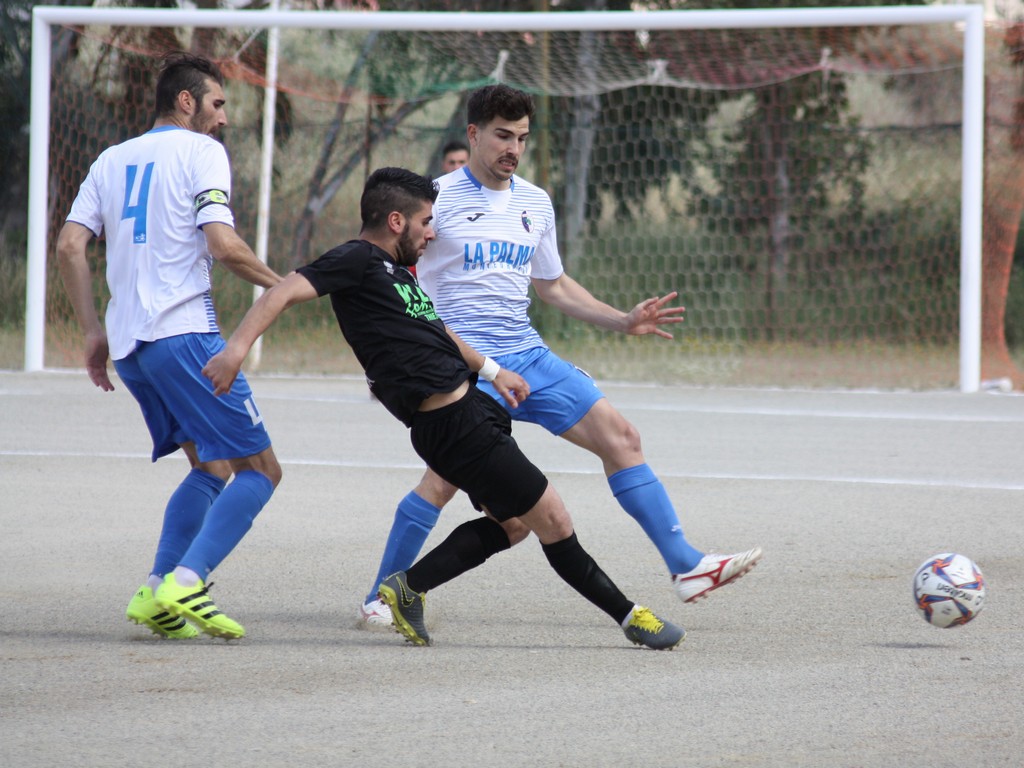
{"x":190,"y":93}
{"x":498,"y":122}
{"x":454,"y":155}
{"x":396,"y":210}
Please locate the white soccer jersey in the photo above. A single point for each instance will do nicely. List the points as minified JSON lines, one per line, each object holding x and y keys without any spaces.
{"x":489,"y":244}
{"x":150,"y":195}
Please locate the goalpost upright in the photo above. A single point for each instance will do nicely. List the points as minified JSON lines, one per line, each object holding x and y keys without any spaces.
{"x":969,"y":16}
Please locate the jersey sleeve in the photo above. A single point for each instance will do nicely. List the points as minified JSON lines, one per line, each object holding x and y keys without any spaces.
{"x":211,"y":190}
{"x":87,"y":208}
{"x":547,"y":262}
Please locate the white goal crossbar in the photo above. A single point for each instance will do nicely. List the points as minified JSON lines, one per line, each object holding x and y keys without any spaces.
{"x":970,"y":17}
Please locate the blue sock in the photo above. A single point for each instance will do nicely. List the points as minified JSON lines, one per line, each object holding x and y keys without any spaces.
{"x":415,"y":518}
{"x":184,"y":516}
{"x":229,"y":519}
{"x":642,"y":495}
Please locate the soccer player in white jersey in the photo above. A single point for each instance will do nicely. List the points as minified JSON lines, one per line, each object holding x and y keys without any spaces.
{"x":161,"y":200}
{"x":495,"y":238}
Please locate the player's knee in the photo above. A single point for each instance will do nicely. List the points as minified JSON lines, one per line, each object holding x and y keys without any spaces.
{"x":274,"y":473}
{"x":265,"y":463}
{"x":621,"y":446}
{"x":549,"y":519}
{"x":268,"y":464}
{"x":219,"y":469}
{"x":560,"y":528}
{"x":516,"y":531}
{"x":435,"y":490}
{"x":631,"y":438}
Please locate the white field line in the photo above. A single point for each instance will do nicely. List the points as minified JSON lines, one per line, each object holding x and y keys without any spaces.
{"x":681,"y":408}
{"x":948,"y":482}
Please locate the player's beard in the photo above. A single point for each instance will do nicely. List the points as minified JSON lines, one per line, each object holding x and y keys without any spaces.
{"x":203,"y":124}
{"x":406,"y":252}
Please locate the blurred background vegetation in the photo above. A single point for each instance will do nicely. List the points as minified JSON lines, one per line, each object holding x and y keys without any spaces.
{"x":808,"y":215}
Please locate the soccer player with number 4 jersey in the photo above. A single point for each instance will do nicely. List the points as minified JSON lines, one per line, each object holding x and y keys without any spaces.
{"x":495,"y":238}
{"x":161,"y":201}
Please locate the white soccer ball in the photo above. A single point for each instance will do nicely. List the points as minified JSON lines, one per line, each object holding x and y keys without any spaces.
{"x":949,"y":590}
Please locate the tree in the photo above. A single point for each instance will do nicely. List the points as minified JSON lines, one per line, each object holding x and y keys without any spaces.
{"x":789,"y":153}
{"x":400,"y":75}
{"x":1003,"y":199}
{"x":15,"y":79}
{"x":793,"y":153}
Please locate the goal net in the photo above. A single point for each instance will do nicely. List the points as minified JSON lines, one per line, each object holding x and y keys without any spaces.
{"x":799,"y":186}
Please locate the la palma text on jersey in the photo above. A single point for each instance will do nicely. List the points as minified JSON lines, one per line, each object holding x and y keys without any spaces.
{"x":496,"y":254}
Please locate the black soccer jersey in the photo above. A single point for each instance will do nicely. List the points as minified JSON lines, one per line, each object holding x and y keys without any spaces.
{"x":391,"y":325}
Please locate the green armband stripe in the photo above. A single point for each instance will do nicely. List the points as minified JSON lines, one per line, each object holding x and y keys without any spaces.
{"x":209,"y":197}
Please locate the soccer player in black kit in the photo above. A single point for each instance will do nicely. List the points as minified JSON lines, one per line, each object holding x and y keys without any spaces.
{"x":424,"y":376}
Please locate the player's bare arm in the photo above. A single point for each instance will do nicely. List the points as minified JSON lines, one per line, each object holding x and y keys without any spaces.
{"x":229,"y":249}
{"x":223,"y":368}
{"x":577,"y":302}
{"x":74,"y":270}
{"x":510,"y":385}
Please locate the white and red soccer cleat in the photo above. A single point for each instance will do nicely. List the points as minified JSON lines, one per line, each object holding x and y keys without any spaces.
{"x":375,"y":614}
{"x":712,"y":572}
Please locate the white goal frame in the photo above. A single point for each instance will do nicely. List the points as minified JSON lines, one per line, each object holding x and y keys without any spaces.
{"x":971,"y":17}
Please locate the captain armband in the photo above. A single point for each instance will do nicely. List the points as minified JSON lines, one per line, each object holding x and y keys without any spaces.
{"x":209,"y":197}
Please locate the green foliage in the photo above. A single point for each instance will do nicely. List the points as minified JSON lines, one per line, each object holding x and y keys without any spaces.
{"x":400,"y":69}
{"x":646,"y":136}
{"x":12,"y":280}
{"x":1014,"y":322}
{"x":890,"y":276}
{"x":683,"y":186}
{"x":790,"y":152}
{"x":15,"y":34}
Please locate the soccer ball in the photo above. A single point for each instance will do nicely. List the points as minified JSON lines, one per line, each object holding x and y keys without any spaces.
{"x":949,"y":590}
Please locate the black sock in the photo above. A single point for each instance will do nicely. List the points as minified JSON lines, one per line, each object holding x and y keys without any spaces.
{"x":466,"y":547}
{"x":579,"y":570}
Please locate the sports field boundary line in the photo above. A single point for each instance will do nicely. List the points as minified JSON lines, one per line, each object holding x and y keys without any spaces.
{"x":413,"y":466}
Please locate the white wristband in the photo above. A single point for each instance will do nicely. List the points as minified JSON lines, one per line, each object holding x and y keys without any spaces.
{"x":488,"y":370}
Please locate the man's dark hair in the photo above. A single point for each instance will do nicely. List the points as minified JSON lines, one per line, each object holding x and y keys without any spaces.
{"x":454,"y":146}
{"x":183,"y":71}
{"x":394,"y":189}
{"x":495,"y":101}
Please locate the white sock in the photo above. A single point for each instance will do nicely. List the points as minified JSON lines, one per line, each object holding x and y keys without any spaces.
{"x":629,"y":617}
{"x":154,"y":581}
{"x":186,"y":577}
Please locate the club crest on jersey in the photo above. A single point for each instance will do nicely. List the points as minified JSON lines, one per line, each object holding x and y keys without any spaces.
{"x":527,"y":224}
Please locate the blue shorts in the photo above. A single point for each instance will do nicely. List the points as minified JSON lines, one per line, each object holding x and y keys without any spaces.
{"x":560,"y":393}
{"x":178,"y":403}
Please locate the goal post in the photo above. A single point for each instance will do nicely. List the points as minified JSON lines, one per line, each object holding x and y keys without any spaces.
{"x":969,"y":18}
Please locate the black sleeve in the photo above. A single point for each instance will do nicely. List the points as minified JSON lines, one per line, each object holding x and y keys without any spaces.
{"x":340,"y":269}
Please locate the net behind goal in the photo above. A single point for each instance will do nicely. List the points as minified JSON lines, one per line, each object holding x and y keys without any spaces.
{"x":799,"y":185}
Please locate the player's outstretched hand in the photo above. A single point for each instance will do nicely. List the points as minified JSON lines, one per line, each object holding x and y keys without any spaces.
{"x":511,"y":386}
{"x":646,"y":316}
{"x":97,"y":351}
{"x":222,"y":369}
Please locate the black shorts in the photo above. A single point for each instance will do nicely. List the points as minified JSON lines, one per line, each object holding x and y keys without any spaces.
{"x":469,"y":443}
